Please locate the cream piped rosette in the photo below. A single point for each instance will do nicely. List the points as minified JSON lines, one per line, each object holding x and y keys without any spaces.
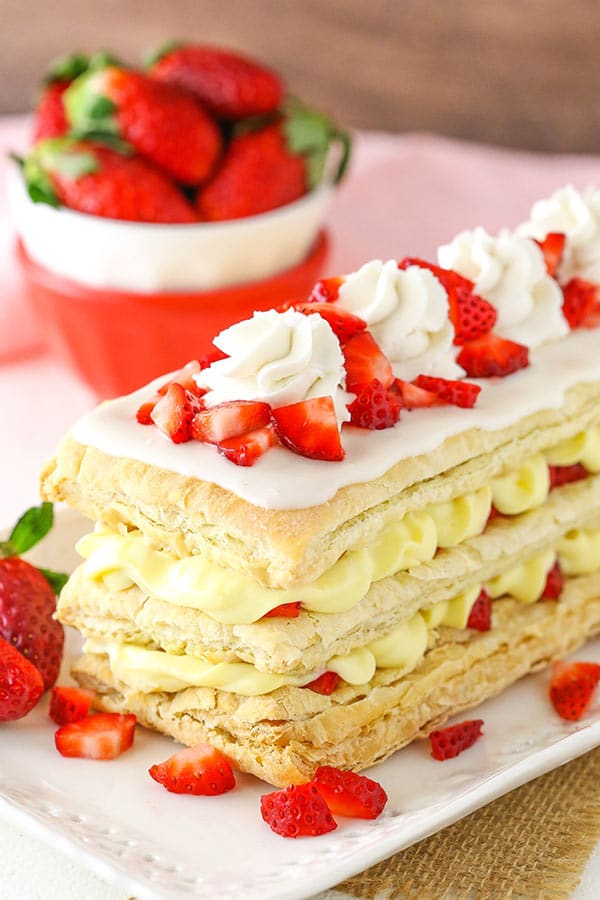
{"x":509,"y":271}
{"x":407,"y":314}
{"x":577,"y":215}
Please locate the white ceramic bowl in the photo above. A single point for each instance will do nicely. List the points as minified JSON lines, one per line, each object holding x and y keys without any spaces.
{"x":146,"y":258}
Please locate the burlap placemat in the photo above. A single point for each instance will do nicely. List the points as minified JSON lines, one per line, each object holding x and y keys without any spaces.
{"x":531,"y":843}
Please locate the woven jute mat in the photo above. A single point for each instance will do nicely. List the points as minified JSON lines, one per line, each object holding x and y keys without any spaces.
{"x":532,"y":843}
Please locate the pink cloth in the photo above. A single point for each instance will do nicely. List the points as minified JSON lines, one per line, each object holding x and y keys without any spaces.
{"x":405,"y":195}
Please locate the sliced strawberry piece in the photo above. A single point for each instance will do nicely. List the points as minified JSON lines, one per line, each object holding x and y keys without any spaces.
{"x":310,"y":428}
{"x":375,"y":407}
{"x":572,"y":687}
{"x":144,"y":413}
{"x":366,"y":362}
{"x":343,"y":323}
{"x":213,"y":355}
{"x":297,"y":811}
{"x":173,"y":414}
{"x":185,"y":377}
{"x":69,"y":704}
{"x":325,"y":683}
{"x":245,"y":449}
{"x":327,"y":290}
{"x":491,"y":355}
{"x":284,"y":610}
{"x":560,"y":475}
{"x":414,"y":397}
{"x":447,"y":743}
{"x":21,"y":684}
{"x":581,"y":303}
{"x":229,"y":419}
{"x":471,"y":315}
{"x":195,"y":770}
{"x":103,"y":736}
{"x":553,"y":247}
{"x":349,"y":794}
{"x":457,"y":393}
{"x":480,"y":617}
{"x":554,"y":583}
{"x":494,"y":514}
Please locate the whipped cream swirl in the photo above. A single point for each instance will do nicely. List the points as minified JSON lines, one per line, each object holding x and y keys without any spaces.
{"x":407,"y":313}
{"x":510,"y":272}
{"x":576,"y":214}
{"x":280,"y":358}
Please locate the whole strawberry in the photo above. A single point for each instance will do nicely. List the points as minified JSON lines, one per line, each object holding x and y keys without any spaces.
{"x":163,"y":123}
{"x":50,"y":118}
{"x":230,"y":86}
{"x":27,"y":597}
{"x":21,"y":685}
{"x":94,"y":179}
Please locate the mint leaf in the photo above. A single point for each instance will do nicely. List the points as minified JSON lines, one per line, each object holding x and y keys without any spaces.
{"x":31,"y":528}
{"x":57,"y":580}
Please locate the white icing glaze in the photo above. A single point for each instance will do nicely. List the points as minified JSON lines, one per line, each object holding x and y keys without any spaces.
{"x":576,"y":214}
{"x":510,"y":272}
{"x":407,"y":313}
{"x":280,"y":358}
{"x":283,"y":480}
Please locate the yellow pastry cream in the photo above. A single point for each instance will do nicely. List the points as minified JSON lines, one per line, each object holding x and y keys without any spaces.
{"x":583,"y":448}
{"x":148,"y":670}
{"x":519,"y":490}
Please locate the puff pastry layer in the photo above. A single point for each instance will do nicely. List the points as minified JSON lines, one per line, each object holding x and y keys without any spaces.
{"x":284,"y":736}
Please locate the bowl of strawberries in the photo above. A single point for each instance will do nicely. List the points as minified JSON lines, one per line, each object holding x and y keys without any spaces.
{"x":157,"y":206}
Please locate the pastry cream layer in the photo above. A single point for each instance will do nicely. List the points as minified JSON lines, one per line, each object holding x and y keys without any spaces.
{"x":235,"y":598}
{"x":149,"y":670}
{"x":583,"y":448}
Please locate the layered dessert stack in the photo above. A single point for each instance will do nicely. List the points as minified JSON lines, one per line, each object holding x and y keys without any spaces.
{"x":366,"y":513}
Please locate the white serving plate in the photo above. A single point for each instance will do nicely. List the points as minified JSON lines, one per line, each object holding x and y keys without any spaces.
{"x":114,"y":819}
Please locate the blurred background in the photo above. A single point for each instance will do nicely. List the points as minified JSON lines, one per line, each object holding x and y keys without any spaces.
{"x":521,"y":73}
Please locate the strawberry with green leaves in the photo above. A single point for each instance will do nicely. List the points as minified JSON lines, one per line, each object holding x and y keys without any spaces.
{"x":229,"y":85}
{"x":27,"y":596}
{"x":50,"y":118}
{"x":94,"y":179}
{"x":271,"y":166}
{"x":161,"y":122}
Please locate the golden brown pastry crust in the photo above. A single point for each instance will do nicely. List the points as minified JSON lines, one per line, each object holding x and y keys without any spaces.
{"x":285,"y":547}
{"x":305,"y":644}
{"x":284,"y":736}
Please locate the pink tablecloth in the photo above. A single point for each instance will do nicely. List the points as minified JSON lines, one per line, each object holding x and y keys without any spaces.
{"x":405,"y":195}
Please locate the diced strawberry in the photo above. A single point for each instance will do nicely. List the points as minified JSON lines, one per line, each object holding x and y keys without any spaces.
{"x":560,"y":475}
{"x":349,"y":794}
{"x":572,"y":687}
{"x":471,"y":315}
{"x":327,"y":290}
{"x":212,"y":356}
{"x":457,"y":393}
{"x":297,"y":811}
{"x":21,"y":684}
{"x":195,"y":770}
{"x":245,"y":449}
{"x":375,"y":407}
{"x":173,"y":414}
{"x":554,"y":583}
{"x":494,"y":514}
{"x":414,"y":397}
{"x":185,"y":377}
{"x":69,"y":704}
{"x":343,"y":323}
{"x":365,"y":362}
{"x":491,"y":355}
{"x":103,"y":736}
{"x":553,"y":247}
{"x":285,"y":611}
{"x":480,"y":617}
{"x":144,"y":413}
{"x":229,"y":419}
{"x":447,"y":743}
{"x":581,"y":303}
{"x":325,"y":683}
{"x":310,"y":428}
